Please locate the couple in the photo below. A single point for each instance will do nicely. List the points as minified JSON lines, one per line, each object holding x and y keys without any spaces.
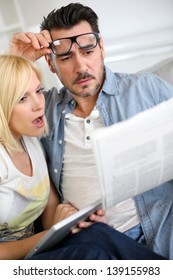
{"x":94,"y":96}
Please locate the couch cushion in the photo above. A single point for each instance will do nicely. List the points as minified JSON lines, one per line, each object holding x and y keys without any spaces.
{"x":164,"y":69}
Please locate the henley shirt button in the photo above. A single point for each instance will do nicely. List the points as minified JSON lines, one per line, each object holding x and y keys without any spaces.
{"x":55,"y":170}
{"x":88,"y":121}
{"x":88,"y":138}
{"x":73,"y":102}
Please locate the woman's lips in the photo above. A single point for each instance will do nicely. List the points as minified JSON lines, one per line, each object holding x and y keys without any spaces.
{"x":39,"y":122}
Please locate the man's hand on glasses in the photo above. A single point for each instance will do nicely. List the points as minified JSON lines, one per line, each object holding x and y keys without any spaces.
{"x":30,"y":45}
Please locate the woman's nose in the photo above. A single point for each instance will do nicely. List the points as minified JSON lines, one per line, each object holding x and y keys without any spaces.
{"x":38,"y":103}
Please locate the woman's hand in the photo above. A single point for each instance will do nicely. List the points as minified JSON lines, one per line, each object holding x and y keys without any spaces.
{"x":63,"y":211}
{"x":98,"y":216}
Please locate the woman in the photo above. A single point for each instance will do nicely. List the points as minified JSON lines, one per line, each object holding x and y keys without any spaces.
{"x":25,"y":190}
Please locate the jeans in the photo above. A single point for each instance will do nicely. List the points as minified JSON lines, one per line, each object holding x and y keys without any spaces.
{"x":136,"y":233}
{"x":98,"y":242}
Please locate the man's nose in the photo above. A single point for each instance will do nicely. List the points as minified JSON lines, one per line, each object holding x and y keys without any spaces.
{"x":79,"y":59}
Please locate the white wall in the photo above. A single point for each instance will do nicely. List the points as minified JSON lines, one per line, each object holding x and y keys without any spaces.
{"x":137,"y":33}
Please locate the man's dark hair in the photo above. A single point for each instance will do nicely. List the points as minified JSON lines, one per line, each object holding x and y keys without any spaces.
{"x":68,"y":16}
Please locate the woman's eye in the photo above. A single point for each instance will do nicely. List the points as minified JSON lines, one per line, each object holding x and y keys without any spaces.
{"x":40,"y":90}
{"x":22,"y":99}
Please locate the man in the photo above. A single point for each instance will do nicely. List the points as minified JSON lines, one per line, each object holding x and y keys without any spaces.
{"x":94,"y":97}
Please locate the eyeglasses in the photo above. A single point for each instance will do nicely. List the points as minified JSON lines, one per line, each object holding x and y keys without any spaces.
{"x":86,"y":41}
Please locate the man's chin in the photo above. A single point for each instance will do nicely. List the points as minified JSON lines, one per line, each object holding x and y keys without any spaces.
{"x":82,"y":94}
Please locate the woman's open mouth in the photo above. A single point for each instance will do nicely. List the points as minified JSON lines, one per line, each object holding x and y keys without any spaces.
{"x":39,"y":122}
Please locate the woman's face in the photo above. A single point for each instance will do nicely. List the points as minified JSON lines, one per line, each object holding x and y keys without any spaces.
{"x":27,"y":117}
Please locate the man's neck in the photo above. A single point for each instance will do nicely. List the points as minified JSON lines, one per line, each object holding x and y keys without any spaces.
{"x":84,"y":107}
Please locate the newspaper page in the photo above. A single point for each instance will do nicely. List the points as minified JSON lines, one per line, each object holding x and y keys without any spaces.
{"x":135,"y":155}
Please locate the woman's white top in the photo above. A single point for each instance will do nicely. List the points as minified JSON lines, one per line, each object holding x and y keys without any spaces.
{"x":22,"y":198}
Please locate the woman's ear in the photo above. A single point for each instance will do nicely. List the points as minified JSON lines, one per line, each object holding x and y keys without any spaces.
{"x":49,"y":62}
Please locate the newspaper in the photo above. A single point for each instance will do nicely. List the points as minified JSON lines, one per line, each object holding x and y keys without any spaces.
{"x":135,"y":155}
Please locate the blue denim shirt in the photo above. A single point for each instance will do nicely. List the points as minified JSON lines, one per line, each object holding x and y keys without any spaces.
{"x":122,"y":96}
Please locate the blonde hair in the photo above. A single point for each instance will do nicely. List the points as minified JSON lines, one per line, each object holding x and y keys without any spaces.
{"x":15,"y":75}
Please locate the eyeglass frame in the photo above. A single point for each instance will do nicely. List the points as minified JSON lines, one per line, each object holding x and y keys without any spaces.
{"x":73,"y":40}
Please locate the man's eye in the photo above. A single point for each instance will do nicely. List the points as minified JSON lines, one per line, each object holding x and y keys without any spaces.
{"x":66,"y":58}
{"x":89,"y":52}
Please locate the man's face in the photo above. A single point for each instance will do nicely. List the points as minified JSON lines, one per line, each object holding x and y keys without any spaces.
{"x":81,"y":71}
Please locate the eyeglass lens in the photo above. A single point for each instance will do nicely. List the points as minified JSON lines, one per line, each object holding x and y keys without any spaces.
{"x":84,"y":41}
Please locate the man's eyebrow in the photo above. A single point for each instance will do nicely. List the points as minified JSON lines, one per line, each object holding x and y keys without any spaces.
{"x":66,"y":54}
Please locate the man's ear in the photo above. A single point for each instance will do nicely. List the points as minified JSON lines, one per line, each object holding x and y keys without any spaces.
{"x":102,"y":47}
{"x":49,"y":62}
